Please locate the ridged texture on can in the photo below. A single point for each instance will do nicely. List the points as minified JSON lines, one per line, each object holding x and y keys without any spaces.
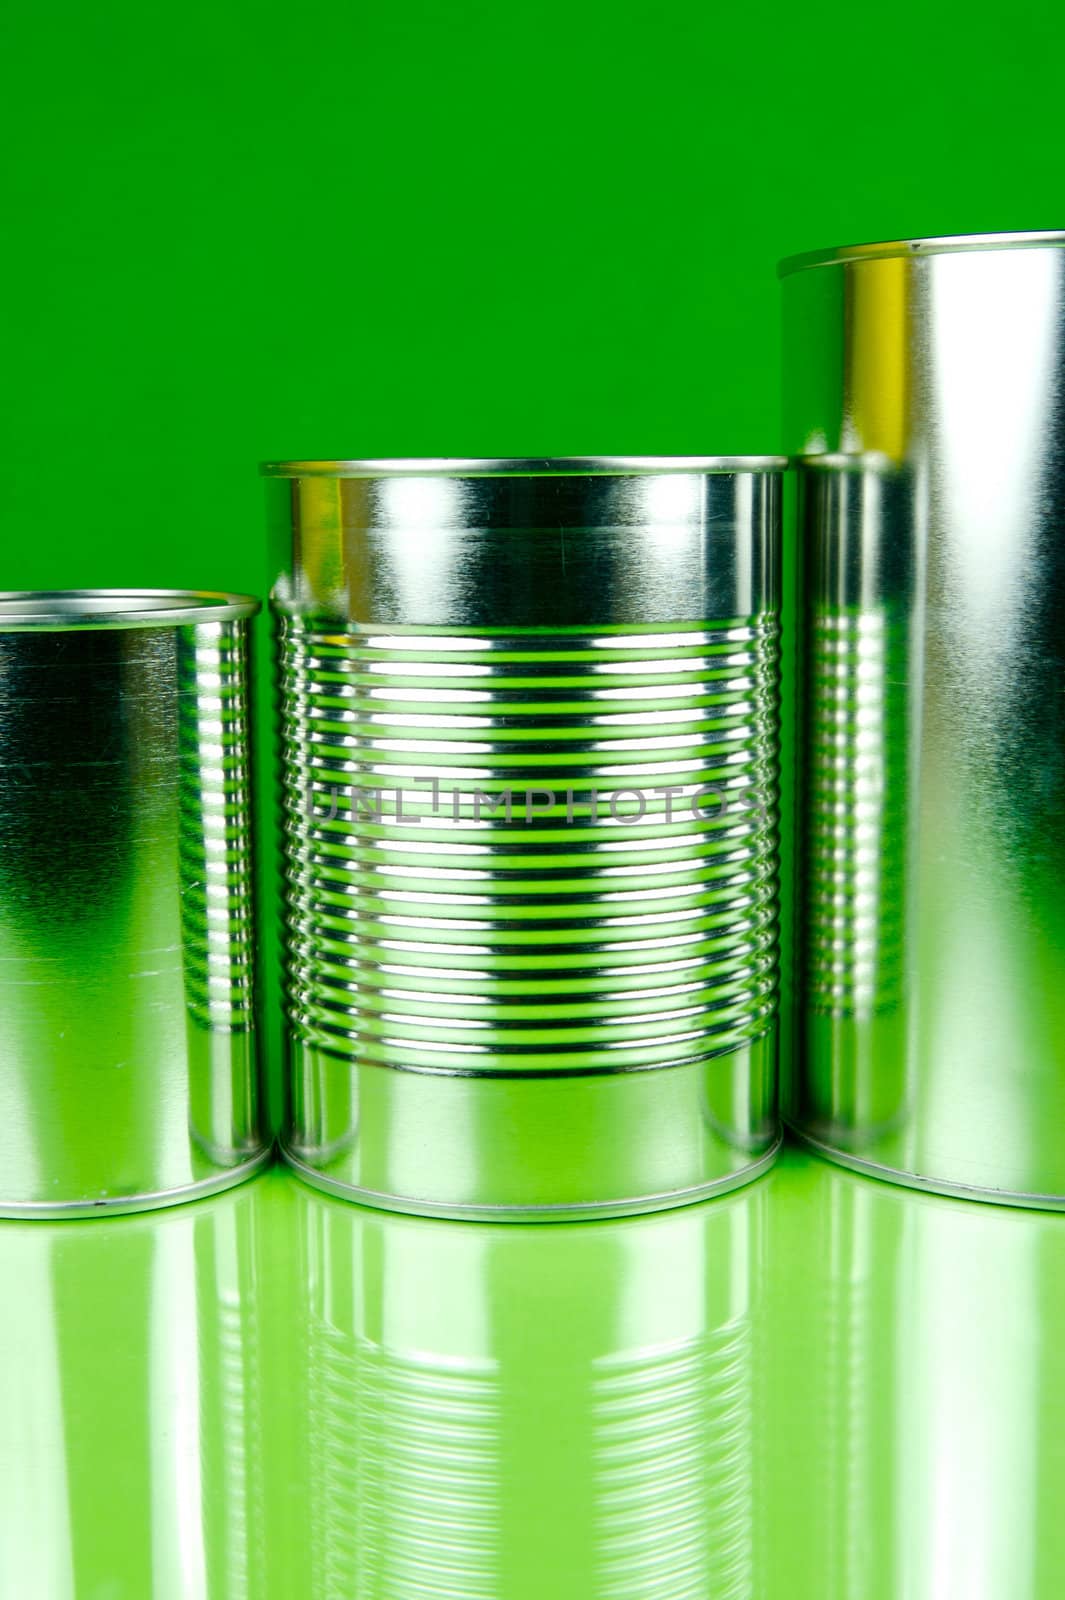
{"x":216,"y":852}
{"x":460,"y":942}
{"x":857,"y":754}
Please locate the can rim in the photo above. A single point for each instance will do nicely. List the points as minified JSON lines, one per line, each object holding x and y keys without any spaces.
{"x":874,"y":461}
{"x":934,"y":245}
{"x":521,"y":466}
{"x":51,"y":610}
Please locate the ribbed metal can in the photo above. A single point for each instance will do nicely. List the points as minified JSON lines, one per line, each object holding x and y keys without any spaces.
{"x":128,"y":1053}
{"x":924,"y":392}
{"x":529,"y":718}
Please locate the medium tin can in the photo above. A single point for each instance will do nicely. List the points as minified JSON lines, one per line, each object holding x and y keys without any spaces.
{"x":128,"y":1062}
{"x":529,"y":719}
{"x":924,"y":389}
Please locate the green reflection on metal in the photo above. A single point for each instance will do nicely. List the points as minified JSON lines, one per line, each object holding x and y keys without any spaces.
{"x":818,"y":1386}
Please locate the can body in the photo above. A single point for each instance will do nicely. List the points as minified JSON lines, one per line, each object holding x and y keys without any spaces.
{"x":128,"y":1058}
{"x":529,"y":725}
{"x":924,"y":384}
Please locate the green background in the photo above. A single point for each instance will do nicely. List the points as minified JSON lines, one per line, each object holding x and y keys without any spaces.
{"x":238,"y":232}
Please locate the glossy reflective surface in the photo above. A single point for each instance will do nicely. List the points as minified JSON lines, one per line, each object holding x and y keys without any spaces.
{"x":530,"y":725}
{"x":128,"y":1049}
{"x":819,"y":1385}
{"x":530,"y":1411}
{"x":133,"y":1407}
{"x":919,"y":1392}
{"x":932,"y":929}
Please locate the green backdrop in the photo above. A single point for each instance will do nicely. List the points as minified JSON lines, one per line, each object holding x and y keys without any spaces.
{"x":239,"y":231}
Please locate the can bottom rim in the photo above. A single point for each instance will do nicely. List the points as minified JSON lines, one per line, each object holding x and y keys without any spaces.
{"x":125,"y":1204}
{"x":582,"y":1211}
{"x":928,"y":1185}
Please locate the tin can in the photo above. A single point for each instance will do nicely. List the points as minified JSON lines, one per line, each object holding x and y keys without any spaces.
{"x":924,"y":391}
{"x":530,"y":746}
{"x":128,"y":1060}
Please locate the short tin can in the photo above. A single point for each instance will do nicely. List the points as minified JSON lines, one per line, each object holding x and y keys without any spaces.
{"x":128,"y":1057}
{"x":529,"y":721}
{"x":924,"y":392}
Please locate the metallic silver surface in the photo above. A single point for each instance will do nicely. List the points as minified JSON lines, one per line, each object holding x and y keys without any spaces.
{"x":936,"y":244}
{"x":523,"y":466}
{"x":477,"y":991}
{"x":600,"y":1112}
{"x":128,"y":1059}
{"x":926,"y":383}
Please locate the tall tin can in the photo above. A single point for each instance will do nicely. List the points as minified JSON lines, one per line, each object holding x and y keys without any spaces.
{"x":925,"y":391}
{"x":128,"y":1057}
{"x":530,"y":746}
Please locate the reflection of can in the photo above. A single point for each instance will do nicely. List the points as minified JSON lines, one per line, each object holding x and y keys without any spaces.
{"x":131,"y":1398}
{"x":925,"y":379}
{"x":889,"y":1477}
{"x":568,"y":1412}
{"x":530,"y":733}
{"x":128,"y":1066}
